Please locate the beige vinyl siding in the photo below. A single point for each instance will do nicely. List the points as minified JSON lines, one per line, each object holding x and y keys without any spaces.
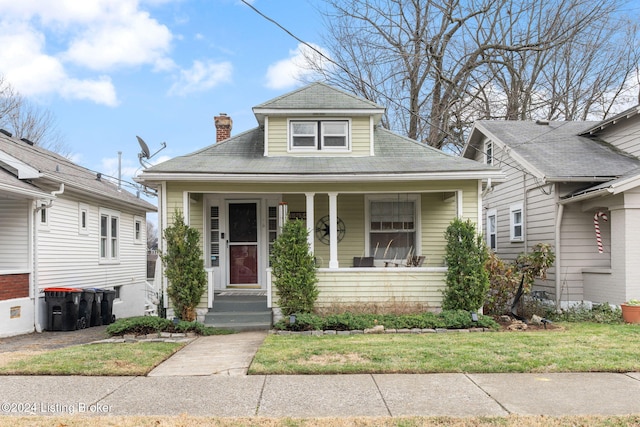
{"x":579,"y":249}
{"x":14,"y":234}
{"x":500,"y":198}
{"x":625,"y":135}
{"x":277,"y":135}
{"x":278,"y":144}
{"x":69,"y":258}
{"x":381,"y":286}
{"x":360,"y":136}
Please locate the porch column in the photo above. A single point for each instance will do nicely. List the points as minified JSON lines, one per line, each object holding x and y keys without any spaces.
{"x":333,"y":233}
{"x":310,"y":220}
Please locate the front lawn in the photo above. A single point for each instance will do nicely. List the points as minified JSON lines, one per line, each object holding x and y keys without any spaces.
{"x":94,"y":359}
{"x":575,"y":347}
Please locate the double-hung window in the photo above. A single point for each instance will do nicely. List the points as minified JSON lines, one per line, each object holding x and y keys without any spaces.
{"x":392,"y":227}
{"x":516,"y":222}
{"x":109,"y":235}
{"x":319,"y":135}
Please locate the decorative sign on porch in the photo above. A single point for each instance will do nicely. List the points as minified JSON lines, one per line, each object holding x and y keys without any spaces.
{"x":596,"y":224}
{"x":298,"y":215}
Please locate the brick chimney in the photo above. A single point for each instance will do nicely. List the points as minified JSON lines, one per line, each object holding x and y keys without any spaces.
{"x":223,"y":126}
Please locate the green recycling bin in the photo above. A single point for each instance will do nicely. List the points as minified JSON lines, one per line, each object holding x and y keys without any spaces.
{"x":63,"y":308}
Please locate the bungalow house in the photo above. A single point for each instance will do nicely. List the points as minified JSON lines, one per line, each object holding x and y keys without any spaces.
{"x":368,"y":197}
{"x":574,"y":185}
{"x":62,"y":225}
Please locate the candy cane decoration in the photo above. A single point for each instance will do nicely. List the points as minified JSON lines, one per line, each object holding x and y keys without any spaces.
{"x":596,"y":224}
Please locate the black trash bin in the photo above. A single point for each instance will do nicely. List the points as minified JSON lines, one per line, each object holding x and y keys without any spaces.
{"x":63,"y":308}
{"x":86,"y":303}
{"x":107,"y":306}
{"x":96,"y":308}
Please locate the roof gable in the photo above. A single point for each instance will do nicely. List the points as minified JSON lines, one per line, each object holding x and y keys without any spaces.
{"x":318,"y":98}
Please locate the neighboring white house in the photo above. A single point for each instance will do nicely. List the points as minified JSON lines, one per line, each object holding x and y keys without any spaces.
{"x":574,"y":185}
{"x":62,"y":225}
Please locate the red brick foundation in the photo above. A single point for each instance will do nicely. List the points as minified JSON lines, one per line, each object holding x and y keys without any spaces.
{"x":14,"y":286}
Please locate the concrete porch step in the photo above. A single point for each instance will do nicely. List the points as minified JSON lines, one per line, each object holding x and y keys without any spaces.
{"x":239,"y":313}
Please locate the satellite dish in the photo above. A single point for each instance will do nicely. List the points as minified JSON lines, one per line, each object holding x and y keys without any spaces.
{"x":145,"y":153}
{"x":144,"y":147}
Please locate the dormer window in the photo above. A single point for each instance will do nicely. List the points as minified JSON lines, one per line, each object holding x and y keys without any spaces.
{"x":319,"y":135}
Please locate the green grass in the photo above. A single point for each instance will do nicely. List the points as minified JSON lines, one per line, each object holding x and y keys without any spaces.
{"x":95,"y":359}
{"x":578,"y":347}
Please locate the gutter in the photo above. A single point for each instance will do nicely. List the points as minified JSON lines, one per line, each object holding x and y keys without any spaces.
{"x":36,"y":295}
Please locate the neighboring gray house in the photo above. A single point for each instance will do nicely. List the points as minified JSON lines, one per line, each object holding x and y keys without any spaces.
{"x":62,"y":225}
{"x":574,"y":185}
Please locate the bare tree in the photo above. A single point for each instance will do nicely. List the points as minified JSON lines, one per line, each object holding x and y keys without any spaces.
{"x":26,"y":120}
{"x":439,"y":64}
{"x":152,"y":236}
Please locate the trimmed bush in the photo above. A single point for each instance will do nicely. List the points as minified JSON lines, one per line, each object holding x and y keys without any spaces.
{"x":143,"y":325}
{"x":294,"y":270}
{"x":467,"y":278}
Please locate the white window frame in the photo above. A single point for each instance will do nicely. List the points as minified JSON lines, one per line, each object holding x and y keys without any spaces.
{"x":488,"y":151}
{"x":513,"y":224}
{"x":138,"y":232}
{"x":43,"y":217}
{"x":109,"y":245}
{"x":492,"y":213}
{"x":83,"y":211}
{"x":415,"y":198}
{"x":319,"y":135}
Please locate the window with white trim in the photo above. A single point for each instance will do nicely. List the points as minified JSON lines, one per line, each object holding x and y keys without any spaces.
{"x":83,"y":219}
{"x":488,"y":151}
{"x":109,"y":235}
{"x":516,"y":222}
{"x":318,"y":135}
{"x":392,"y":227}
{"x":492,"y":233}
{"x":137,"y":229}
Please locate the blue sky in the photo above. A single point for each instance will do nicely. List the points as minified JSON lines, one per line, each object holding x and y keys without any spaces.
{"x":161,"y":69}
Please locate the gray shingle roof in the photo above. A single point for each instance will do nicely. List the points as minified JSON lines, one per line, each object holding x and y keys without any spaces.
{"x":243,"y":154}
{"x":56,"y":169}
{"x":318,"y":96}
{"x":557,"y":150}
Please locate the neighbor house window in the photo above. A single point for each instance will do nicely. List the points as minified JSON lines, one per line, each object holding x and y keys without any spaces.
{"x":83,"y":219}
{"x":517,"y":219}
{"x":109,"y":235}
{"x":137,"y":229}
{"x":314,"y":135}
{"x":492,"y":235}
{"x":489,"y":152}
{"x":392,"y":227}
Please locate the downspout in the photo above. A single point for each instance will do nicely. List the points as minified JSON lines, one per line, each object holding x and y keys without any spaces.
{"x":36,"y":294}
{"x":487,"y":189}
{"x":558,"y":253}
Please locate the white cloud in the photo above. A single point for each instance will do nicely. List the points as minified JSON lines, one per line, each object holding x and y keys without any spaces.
{"x":288,"y":73}
{"x":45,"y":43}
{"x":201,"y":76}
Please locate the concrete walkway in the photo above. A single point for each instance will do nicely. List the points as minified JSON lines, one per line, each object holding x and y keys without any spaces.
{"x":213,"y":355}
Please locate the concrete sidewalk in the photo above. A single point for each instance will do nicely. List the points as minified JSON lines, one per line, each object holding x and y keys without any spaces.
{"x":208,"y":377}
{"x":458,"y":395}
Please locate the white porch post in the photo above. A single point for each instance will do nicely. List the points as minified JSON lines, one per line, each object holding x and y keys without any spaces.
{"x":333,"y":232}
{"x":310,"y":220}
